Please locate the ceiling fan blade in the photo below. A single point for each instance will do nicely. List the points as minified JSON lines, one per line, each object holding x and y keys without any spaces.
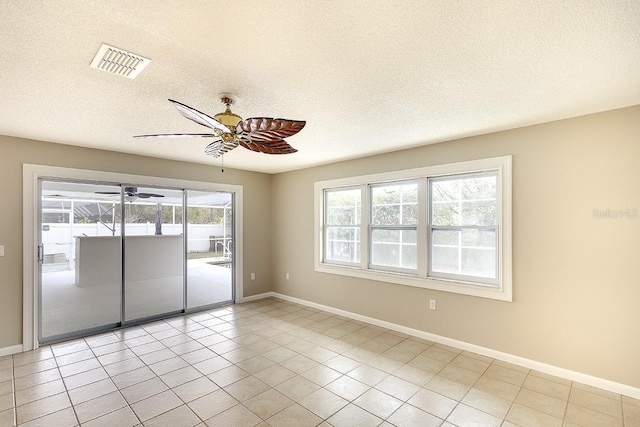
{"x":218,"y":148}
{"x":107,"y":192}
{"x":147,"y":195}
{"x":199,"y":117}
{"x":280,"y":147}
{"x":268,"y":129}
{"x":178,"y":135}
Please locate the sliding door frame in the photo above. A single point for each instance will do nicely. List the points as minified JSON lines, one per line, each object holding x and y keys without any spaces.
{"x":32,"y":174}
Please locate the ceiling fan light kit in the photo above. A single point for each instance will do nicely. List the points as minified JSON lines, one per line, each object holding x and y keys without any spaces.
{"x":259,"y":134}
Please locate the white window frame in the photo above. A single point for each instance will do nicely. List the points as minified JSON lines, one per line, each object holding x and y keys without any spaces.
{"x":430,"y":228}
{"x":401,"y":228}
{"x":356,"y":226}
{"x":500,"y":291}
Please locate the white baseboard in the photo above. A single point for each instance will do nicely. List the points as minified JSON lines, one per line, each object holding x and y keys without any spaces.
{"x":601,"y":383}
{"x":11,"y":350}
{"x":258,"y":297}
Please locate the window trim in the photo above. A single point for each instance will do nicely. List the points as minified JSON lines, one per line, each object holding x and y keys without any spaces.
{"x":503,"y":165}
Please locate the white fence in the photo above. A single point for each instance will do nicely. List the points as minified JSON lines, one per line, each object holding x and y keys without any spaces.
{"x":59,"y":238}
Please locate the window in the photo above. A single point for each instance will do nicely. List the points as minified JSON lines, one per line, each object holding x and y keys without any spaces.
{"x":444,"y":227}
{"x":463,"y":228}
{"x":342,"y":222}
{"x":394,"y":226}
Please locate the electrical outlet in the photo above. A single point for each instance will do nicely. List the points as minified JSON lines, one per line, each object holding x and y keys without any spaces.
{"x":286,"y":276}
{"x":432,"y":304}
{"x":1,"y":250}
{"x":253,"y":276}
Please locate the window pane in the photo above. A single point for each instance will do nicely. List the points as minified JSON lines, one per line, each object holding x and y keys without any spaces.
{"x":446,"y":213}
{"x":479,"y":238}
{"x":409,"y":256}
{"x":394,"y":204}
{"x":445,"y":237}
{"x":385,"y":215}
{"x":343,"y":207}
{"x":465,"y":252}
{"x":479,"y":187}
{"x":343,"y":244}
{"x":445,"y":259}
{"x":394,"y":248}
{"x":460,"y":201}
{"x":479,"y":262}
{"x":479,"y":213}
{"x":445,"y":190}
{"x":410,"y":213}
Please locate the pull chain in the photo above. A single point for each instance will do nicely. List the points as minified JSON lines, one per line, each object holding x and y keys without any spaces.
{"x":222,"y":163}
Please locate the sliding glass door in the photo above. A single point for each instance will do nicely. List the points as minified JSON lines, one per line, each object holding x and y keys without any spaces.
{"x":80,"y":258}
{"x":210,"y":248}
{"x":153,"y":252}
{"x":117,"y":254}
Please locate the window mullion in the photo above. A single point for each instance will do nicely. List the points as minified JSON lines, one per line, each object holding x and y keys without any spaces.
{"x":423,"y":236}
{"x":324,"y":230}
{"x":460,"y":233}
{"x":365,"y":229}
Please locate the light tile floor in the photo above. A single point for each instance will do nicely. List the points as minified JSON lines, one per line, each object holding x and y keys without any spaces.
{"x":273,"y":363}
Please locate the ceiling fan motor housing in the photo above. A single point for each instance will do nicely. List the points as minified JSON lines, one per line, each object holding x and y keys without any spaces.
{"x":228,"y":119}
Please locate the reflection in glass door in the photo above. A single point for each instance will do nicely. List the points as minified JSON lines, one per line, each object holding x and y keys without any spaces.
{"x":153,"y":252}
{"x":209,"y":248}
{"x":79,"y":258}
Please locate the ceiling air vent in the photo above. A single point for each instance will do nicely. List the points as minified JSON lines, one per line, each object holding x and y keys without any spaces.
{"x":118,"y":61}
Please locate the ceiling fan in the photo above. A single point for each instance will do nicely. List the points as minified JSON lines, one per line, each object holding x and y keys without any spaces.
{"x":131,"y":194}
{"x":260,"y":134}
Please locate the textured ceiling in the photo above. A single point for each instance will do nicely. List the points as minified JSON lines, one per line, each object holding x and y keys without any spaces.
{"x":367,"y":76}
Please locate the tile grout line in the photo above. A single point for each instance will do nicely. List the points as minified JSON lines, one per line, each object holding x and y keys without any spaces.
{"x":179,"y":356}
{"x":459,"y":402}
{"x":273,"y":329}
{"x":64,"y":384}
{"x":109,"y":376}
{"x":66,"y":391}
{"x":156,"y":375}
{"x":13,"y":389}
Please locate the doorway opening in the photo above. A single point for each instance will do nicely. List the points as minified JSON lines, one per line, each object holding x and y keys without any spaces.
{"x":112,"y":254}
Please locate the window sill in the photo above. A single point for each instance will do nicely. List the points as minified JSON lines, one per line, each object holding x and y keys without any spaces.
{"x":472,"y":289}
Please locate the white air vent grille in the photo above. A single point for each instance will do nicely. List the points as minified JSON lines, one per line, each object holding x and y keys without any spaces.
{"x":118,"y":61}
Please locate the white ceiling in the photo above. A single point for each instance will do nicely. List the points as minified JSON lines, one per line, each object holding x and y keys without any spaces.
{"x":367,"y":76}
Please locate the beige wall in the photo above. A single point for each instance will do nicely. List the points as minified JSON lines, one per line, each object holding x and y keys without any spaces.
{"x":576,"y":279}
{"x":15,"y":151}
